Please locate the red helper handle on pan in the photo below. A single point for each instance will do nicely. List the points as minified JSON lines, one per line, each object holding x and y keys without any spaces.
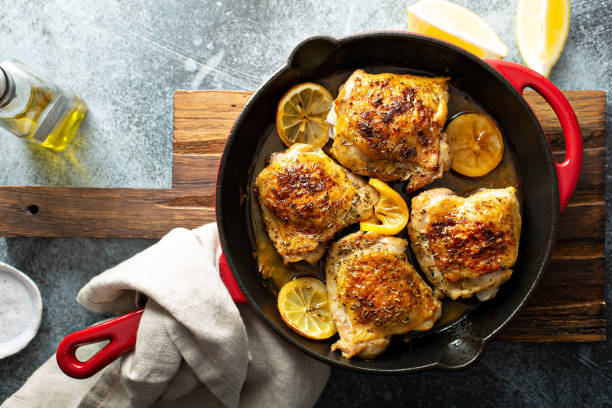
{"x":121,"y":332}
{"x":568,"y":171}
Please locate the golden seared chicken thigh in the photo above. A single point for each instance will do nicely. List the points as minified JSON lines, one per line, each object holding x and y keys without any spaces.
{"x":466,"y":246}
{"x":306,"y":197}
{"x":390,"y":126}
{"x":374,"y":293}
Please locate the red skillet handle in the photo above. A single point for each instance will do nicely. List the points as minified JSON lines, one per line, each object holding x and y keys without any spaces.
{"x":568,"y":171}
{"x":121,"y":331}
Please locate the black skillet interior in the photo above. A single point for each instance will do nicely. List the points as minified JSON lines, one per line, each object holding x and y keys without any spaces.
{"x":319,"y":57}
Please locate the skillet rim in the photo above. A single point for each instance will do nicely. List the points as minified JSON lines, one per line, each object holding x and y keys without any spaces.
{"x":382,"y":35}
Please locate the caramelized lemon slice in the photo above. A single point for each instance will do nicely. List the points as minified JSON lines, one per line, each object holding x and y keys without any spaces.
{"x":304,"y":307}
{"x":301,"y":114}
{"x":390,"y":209}
{"x":476,"y":144}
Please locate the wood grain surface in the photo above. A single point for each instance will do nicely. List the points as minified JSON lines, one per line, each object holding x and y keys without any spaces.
{"x":569,"y":303}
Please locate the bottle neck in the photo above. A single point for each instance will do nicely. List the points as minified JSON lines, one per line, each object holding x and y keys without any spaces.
{"x":7,"y":89}
{"x":3,"y":84}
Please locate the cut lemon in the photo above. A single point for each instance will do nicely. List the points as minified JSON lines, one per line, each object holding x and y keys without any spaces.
{"x":304,"y":307}
{"x":476,"y":144}
{"x":452,"y":23}
{"x":391,"y":210}
{"x":301,"y":114}
{"x":542,"y":27}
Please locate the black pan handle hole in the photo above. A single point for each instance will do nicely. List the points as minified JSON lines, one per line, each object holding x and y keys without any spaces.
{"x":32,"y":209}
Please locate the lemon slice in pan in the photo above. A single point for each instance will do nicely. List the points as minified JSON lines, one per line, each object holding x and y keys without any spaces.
{"x":390,"y":210}
{"x":301,"y":114}
{"x":304,"y":307}
{"x":476,"y":144}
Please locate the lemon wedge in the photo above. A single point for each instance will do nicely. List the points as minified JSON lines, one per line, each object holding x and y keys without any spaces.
{"x":542,"y":27}
{"x":304,"y":307}
{"x":391,"y":211}
{"x":301,"y":114}
{"x":452,"y":23}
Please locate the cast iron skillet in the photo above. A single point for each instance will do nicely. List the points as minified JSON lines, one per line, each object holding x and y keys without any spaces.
{"x":496,"y":85}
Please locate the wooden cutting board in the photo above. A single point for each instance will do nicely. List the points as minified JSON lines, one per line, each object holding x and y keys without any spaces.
{"x":569,"y":302}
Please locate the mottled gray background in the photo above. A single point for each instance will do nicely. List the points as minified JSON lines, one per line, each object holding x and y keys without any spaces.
{"x":126,"y":58}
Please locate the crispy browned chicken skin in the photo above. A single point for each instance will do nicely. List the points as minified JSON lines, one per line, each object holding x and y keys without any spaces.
{"x":390,"y":126}
{"x":466,"y":246}
{"x":306,"y":197}
{"x":374,"y":293}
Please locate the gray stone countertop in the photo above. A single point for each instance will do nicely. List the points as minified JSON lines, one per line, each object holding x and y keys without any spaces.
{"x":126,"y":58}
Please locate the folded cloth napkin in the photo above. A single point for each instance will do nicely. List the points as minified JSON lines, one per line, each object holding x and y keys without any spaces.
{"x":195,"y":347}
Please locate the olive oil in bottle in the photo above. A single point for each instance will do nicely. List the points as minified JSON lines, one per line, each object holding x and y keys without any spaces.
{"x":37,"y":110}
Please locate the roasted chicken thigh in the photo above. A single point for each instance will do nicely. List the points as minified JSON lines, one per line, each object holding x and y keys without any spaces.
{"x":374,"y":293}
{"x":305,"y":198}
{"x":466,"y":246}
{"x":390,"y":126}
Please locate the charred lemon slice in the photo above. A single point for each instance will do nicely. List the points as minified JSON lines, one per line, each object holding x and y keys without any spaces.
{"x":476,"y":144}
{"x":390,"y":210}
{"x":304,"y":307}
{"x":301,"y":114}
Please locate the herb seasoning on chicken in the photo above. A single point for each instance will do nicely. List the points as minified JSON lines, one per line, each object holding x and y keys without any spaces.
{"x":468,"y":245}
{"x":390,"y":126}
{"x":305,"y":198}
{"x":374,"y":293}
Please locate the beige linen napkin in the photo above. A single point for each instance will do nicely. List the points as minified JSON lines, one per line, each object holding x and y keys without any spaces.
{"x":195,"y":347}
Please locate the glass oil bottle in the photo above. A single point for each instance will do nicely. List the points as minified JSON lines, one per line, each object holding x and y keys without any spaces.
{"x":37,"y":110}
